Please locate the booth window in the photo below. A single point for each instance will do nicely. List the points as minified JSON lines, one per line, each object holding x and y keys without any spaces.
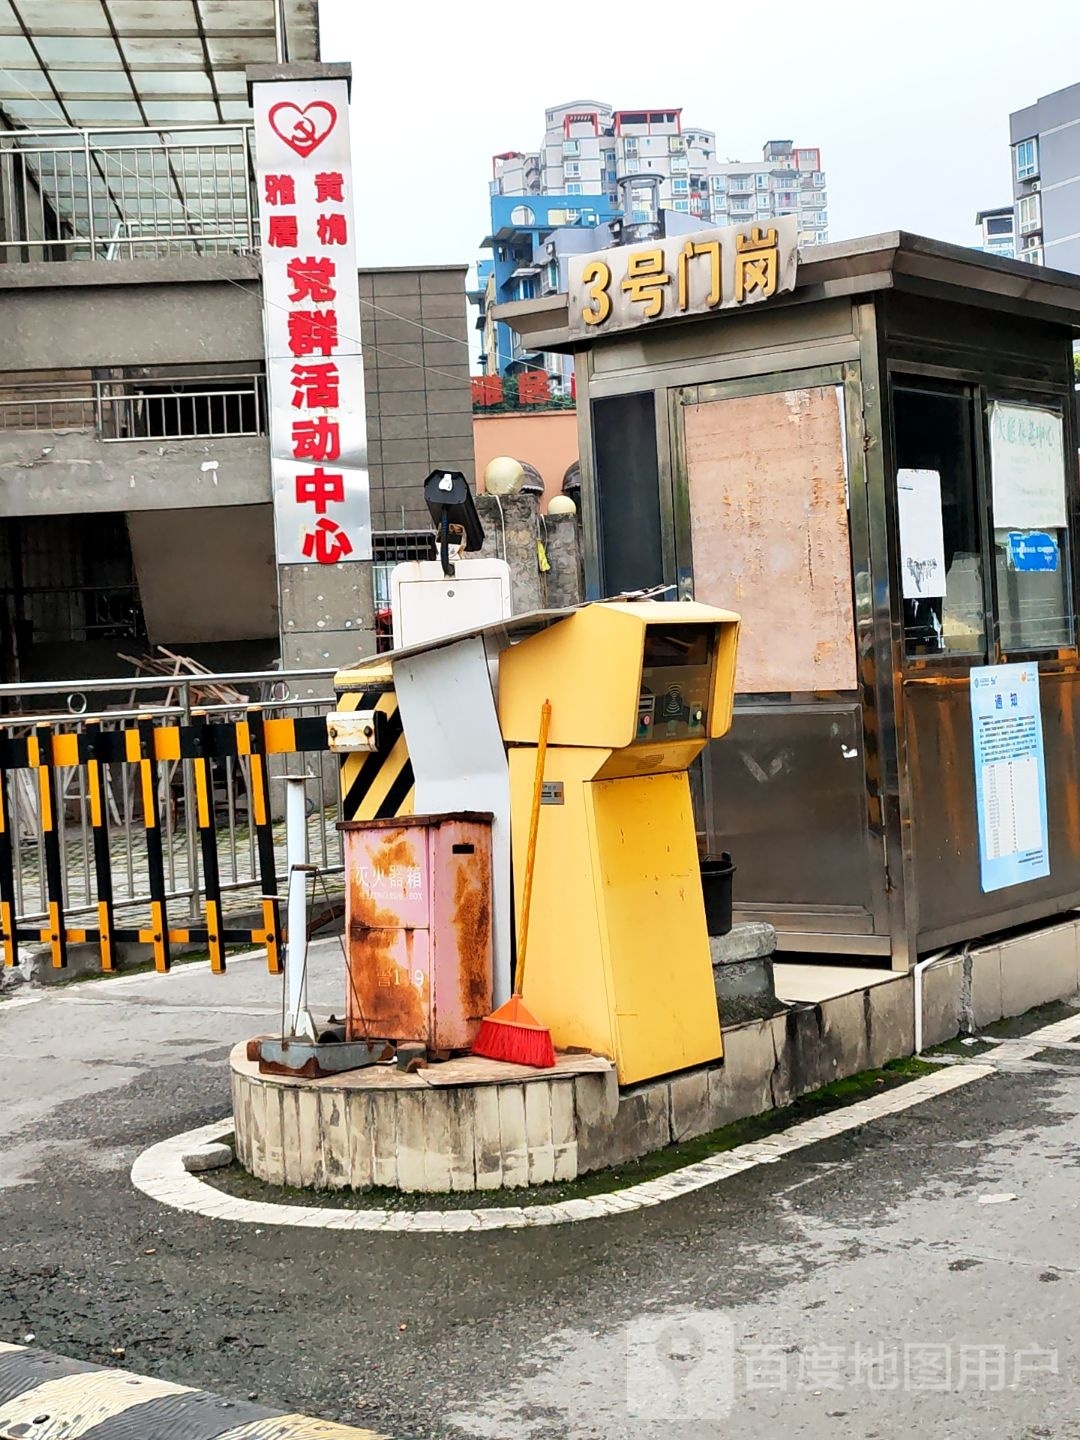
{"x":940,"y":550}
{"x":1031,"y":538}
{"x":628,"y":491}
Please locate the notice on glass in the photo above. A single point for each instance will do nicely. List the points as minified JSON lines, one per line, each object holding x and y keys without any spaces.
{"x":1027,"y":467}
{"x":1010,"y":775}
{"x":922,"y":539}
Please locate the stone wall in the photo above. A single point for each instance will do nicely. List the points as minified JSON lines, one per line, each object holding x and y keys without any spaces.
{"x":513,"y":527}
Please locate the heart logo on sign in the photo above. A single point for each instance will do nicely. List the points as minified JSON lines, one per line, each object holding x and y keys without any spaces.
{"x":303,"y":130}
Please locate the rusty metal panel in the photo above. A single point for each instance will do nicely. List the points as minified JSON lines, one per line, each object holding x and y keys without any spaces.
{"x":461,"y":881}
{"x":388,"y":893}
{"x":419,"y":924}
{"x":769,"y":530}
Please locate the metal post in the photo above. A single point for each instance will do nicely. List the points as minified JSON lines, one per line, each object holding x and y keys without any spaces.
{"x":187,"y":771}
{"x":298,"y":1021}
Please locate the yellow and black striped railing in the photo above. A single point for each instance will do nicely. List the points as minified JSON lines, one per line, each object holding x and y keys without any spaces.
{"x":144,"y":745}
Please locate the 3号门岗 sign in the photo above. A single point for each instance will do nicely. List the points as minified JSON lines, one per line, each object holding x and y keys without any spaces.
{"x":314,"y":369}
{"x":721,"y":269}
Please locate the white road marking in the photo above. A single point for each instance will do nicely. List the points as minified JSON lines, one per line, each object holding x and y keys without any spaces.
{"x":159,"y":1172}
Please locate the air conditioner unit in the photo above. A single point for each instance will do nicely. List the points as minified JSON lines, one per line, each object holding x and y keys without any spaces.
{"x":1035,"y":185}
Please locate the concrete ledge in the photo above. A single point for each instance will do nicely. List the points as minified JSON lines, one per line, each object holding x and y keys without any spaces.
{"x":531,"y":1127}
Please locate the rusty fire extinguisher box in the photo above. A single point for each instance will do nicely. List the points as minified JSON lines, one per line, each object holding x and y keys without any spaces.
{"x":418,"y":922}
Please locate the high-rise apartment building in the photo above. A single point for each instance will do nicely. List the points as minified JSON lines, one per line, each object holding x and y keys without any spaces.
{"x":545,"y":203}
{"x":1045,"y":139}
{"x":589,"y":147}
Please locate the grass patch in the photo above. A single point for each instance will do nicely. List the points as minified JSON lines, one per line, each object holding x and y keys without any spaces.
{"x":234,"y":1180}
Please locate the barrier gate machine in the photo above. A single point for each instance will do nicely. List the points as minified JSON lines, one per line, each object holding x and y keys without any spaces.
{"x":619,"y":950}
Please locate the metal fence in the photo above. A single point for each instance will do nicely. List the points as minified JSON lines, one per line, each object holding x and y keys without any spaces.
{"x":161,"y":807}
{"x":127,"y":195}
{"x":159,"y":409}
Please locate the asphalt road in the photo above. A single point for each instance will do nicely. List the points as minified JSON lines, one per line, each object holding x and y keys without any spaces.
{"x":856,"y":1289}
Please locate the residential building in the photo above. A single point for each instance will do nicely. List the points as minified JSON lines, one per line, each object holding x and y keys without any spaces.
{"x":997,"y":231}
{"x":565,"y":197}
{"x":136,"y":501}
{"x":522,"y":267}
{"x":589,"y":147}
{"x":1045,"y":139}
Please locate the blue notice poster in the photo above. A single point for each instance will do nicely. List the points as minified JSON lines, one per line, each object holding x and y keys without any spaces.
{"x":1010,"y":775}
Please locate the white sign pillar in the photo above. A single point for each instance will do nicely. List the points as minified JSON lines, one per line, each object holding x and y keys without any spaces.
{"x":311,"y":305}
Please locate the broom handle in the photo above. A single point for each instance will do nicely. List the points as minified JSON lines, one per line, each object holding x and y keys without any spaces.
{"x":530,"y":854}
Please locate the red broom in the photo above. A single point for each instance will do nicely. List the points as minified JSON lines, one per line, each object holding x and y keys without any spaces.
{"x":512,"y":1033}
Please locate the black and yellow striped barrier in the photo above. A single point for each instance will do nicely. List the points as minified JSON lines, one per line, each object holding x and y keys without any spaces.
{"x":375,"y":786}
{"x":48,"y":1397}
{"x":144,"y":744}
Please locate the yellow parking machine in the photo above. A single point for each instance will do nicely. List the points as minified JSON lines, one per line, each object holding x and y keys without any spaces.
{"x":618,"y":947}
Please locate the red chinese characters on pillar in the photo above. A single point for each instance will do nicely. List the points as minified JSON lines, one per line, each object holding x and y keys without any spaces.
{"x":312,"y":278}
{"x":315,"y":387}
{"x":316,"y":439}
{"x":320,"y":489}
{"x":329,"y":185}
{"x":279,"y":190}
{"x":306,"y":214}
{"x":332,"y":229}
{"x":282,"y":232}
{"x":327,"y":543}
{"x":313,"y":332}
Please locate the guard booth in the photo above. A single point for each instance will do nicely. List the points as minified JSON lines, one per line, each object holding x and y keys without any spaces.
{"x":869,"y":451}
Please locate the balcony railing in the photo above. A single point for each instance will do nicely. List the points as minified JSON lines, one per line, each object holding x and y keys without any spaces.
{"x":126,"y":195}
{"x":194,"y":408}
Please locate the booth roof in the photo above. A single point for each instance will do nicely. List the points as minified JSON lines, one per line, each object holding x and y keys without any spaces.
{"x":895,"y":260}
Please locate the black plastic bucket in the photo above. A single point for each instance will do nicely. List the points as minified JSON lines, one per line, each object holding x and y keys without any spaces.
{"x":716,"y":888}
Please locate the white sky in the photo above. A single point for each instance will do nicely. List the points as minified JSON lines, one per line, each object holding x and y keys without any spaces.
{"x":908,"y":99}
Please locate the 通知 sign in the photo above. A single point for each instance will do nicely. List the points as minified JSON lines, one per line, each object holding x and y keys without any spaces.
{"x":628,"y":286}
{"x":1010,"y":775}
{"x":314,"y":369}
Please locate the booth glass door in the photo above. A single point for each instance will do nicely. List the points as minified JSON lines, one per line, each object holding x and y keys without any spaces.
{"x":774,"y":526}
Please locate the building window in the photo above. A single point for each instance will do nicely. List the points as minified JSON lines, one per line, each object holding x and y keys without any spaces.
{"x":1033,"y":255}
{"x":676,"y":144}
{"x":680,"y":163}
{"x":630,"y":146}
{"x":1029,"y":211}
{"x":572,"y":167}
{"x":1027,"y":159}
{"x":574,"y":189}
{"x":741,"y":182}
{"x":761,"y":180}
{"x":819,"y":178}
{"x":683,"y":205}
{"x":719,"y":183}
{"x":571,"y":147}
{"x":680,"y":187}
{"x":740,"y":204}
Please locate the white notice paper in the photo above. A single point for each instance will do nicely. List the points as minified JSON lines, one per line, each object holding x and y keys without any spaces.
{"x":1027,"y":466}
{"x":922,"y":540}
